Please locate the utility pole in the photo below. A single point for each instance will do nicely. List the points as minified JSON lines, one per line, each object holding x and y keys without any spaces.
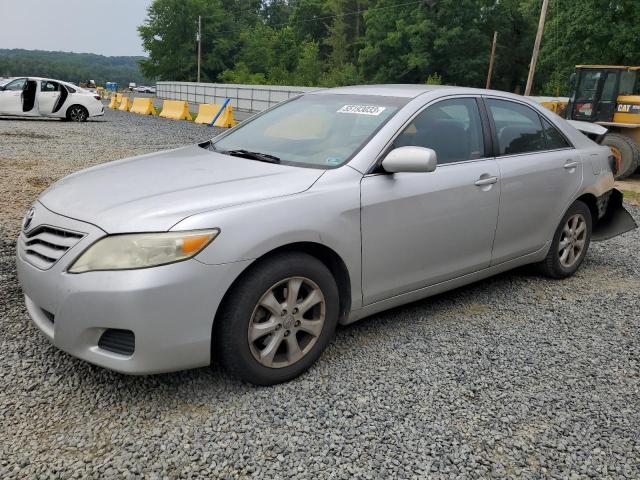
{"x":536,"y":47}
{"x":199,"y":44}
{"x":493,"y":55}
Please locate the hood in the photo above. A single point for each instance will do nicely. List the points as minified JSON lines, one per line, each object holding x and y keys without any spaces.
{"x":153,"y":192}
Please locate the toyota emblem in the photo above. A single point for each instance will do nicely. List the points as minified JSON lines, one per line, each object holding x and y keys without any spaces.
{"x":27,"y":219}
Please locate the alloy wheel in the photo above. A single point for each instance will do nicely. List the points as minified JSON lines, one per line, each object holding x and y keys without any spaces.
{"x":77,"y":114}
{"x":287,"y":322}
{"x":572,"y":240}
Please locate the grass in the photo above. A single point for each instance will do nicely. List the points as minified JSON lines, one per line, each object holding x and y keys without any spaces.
{"x":632,"y":198}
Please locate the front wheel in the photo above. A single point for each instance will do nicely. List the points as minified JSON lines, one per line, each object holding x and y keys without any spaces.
{"x":278,"y":320}
{"x":570,"y":242}
{"x":77,"y":113}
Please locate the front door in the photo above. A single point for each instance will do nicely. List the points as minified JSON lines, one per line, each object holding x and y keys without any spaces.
{"x":587,"y":95}
{"x":606,"y":107}
{"x":419,"y":229}
{"x":540,"y":174}
{"x":11,"y":97}
{"x":48,"y":96}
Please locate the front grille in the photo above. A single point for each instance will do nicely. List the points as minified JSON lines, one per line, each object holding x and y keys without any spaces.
{"x":118,"y":341}
{"x":44,"y":245}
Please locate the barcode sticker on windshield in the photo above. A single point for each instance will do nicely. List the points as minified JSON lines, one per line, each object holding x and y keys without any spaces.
{"x":362,"y":109}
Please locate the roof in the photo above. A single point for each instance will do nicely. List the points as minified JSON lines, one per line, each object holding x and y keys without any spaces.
{"x":397,"y":90}
{"x":612,"y":67}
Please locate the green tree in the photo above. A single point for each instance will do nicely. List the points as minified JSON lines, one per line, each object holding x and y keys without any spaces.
{"x":397,"y":43}
{"x":604,"y":32}
{"x":169,"y":37}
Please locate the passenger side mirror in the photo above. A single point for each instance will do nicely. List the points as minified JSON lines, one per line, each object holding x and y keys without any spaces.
{"x":410,"y":159}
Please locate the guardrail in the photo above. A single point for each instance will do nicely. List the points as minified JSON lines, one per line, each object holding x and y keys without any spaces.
{"x":246,"y":98}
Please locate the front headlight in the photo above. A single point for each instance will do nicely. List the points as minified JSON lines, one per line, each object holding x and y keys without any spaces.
{"x":141,"y":250}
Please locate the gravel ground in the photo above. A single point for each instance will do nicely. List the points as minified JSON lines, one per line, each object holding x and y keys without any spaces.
{"x":516,"y":376}
{"x":35,"y":153}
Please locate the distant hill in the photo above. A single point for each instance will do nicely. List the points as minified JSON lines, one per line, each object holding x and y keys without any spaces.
{"x":72,"y":67}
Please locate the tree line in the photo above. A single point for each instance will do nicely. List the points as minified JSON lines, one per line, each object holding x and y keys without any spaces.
{"x":340,"y":42}
{"x":71,"y":67}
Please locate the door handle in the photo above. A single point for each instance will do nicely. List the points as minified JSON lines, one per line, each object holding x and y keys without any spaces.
{"x":570,"y":165}
{"x":486,"y":181}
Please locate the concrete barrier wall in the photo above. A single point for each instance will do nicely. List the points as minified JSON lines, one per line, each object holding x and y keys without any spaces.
{"x":244,"y":98}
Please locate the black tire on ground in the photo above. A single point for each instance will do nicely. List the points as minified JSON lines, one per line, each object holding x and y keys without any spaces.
{"x":629,"y":153}
{"x":77,"y":113}
{"x":552,"y":266}
{"x":230,"y":343}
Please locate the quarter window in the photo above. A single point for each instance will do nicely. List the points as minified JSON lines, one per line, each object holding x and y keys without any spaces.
{"x":554,"y":138}
{"x":451,"y":127}
{"x":518,"y":127}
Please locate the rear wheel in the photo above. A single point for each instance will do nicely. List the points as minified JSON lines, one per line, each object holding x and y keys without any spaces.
{"x":570,"y":243}
{"x":278,"y":320}
{"x":77,"y":113}
{"x":626,"y":151}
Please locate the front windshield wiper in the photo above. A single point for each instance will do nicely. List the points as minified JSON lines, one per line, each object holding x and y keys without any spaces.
{"x":263,"y":157}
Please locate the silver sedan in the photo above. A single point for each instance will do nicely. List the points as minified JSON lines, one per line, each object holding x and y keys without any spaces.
{"x":325,"y":209}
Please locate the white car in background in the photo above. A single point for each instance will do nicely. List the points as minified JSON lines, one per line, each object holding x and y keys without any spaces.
{"x":44,"y":97}
{"x":144,"y":89}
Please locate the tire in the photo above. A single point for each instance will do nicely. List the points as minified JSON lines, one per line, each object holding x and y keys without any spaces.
{"x":626,"y":151}
{"x":553,"y":265}
{"x":251,"y":341}
{"x":77,"y":113}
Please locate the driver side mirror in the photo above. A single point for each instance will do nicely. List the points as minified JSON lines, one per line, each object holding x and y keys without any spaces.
{"x":410,"y":159}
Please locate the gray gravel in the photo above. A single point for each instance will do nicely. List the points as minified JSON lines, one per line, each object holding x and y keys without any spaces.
{"x":516,"y":376}
{"x":34,"y":153}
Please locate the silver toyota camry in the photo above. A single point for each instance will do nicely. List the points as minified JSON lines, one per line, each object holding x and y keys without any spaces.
{"x":330,"y":207}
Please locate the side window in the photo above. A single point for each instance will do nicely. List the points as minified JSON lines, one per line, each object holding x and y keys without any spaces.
{"x":16,"y":85}
{"x":49,"y":86}
{"x":553,"y":137}
{"x":628,"y":83}
{"x":518,"y":127}
{"x":451,"y":127}
{"x":609,"y":89}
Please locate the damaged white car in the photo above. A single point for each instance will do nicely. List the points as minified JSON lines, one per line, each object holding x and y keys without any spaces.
{"x":44,"y":97}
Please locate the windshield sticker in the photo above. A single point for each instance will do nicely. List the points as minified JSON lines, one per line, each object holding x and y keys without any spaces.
{"x":362,"y":109}
{"x":334,"y":161}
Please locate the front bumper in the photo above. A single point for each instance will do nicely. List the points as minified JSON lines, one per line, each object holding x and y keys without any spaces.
{"x":170,"y":309}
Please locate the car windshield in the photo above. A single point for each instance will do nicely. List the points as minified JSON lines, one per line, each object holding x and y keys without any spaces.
{"x":320,"y":131}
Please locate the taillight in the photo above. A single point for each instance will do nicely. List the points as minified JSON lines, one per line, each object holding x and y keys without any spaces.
{"x":97,"y":97}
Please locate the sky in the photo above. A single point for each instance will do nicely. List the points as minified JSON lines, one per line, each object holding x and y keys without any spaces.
{"x":85,"y":26}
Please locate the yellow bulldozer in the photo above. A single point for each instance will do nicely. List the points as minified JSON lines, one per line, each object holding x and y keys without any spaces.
{"x":609,"y":96}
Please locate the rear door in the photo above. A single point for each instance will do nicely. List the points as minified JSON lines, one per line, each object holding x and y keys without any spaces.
{"x":11,"y":97}
{"x":540,"y":173}
{"x":48,"y":96}
{"x":419,"y":229}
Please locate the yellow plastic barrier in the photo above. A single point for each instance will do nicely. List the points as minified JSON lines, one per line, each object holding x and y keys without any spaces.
{"x":208,"y":111}
{"x":143,"y":106}
{"x":176,"y":110}
{"x":114,"y":102}
{"x":125,"y":104}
